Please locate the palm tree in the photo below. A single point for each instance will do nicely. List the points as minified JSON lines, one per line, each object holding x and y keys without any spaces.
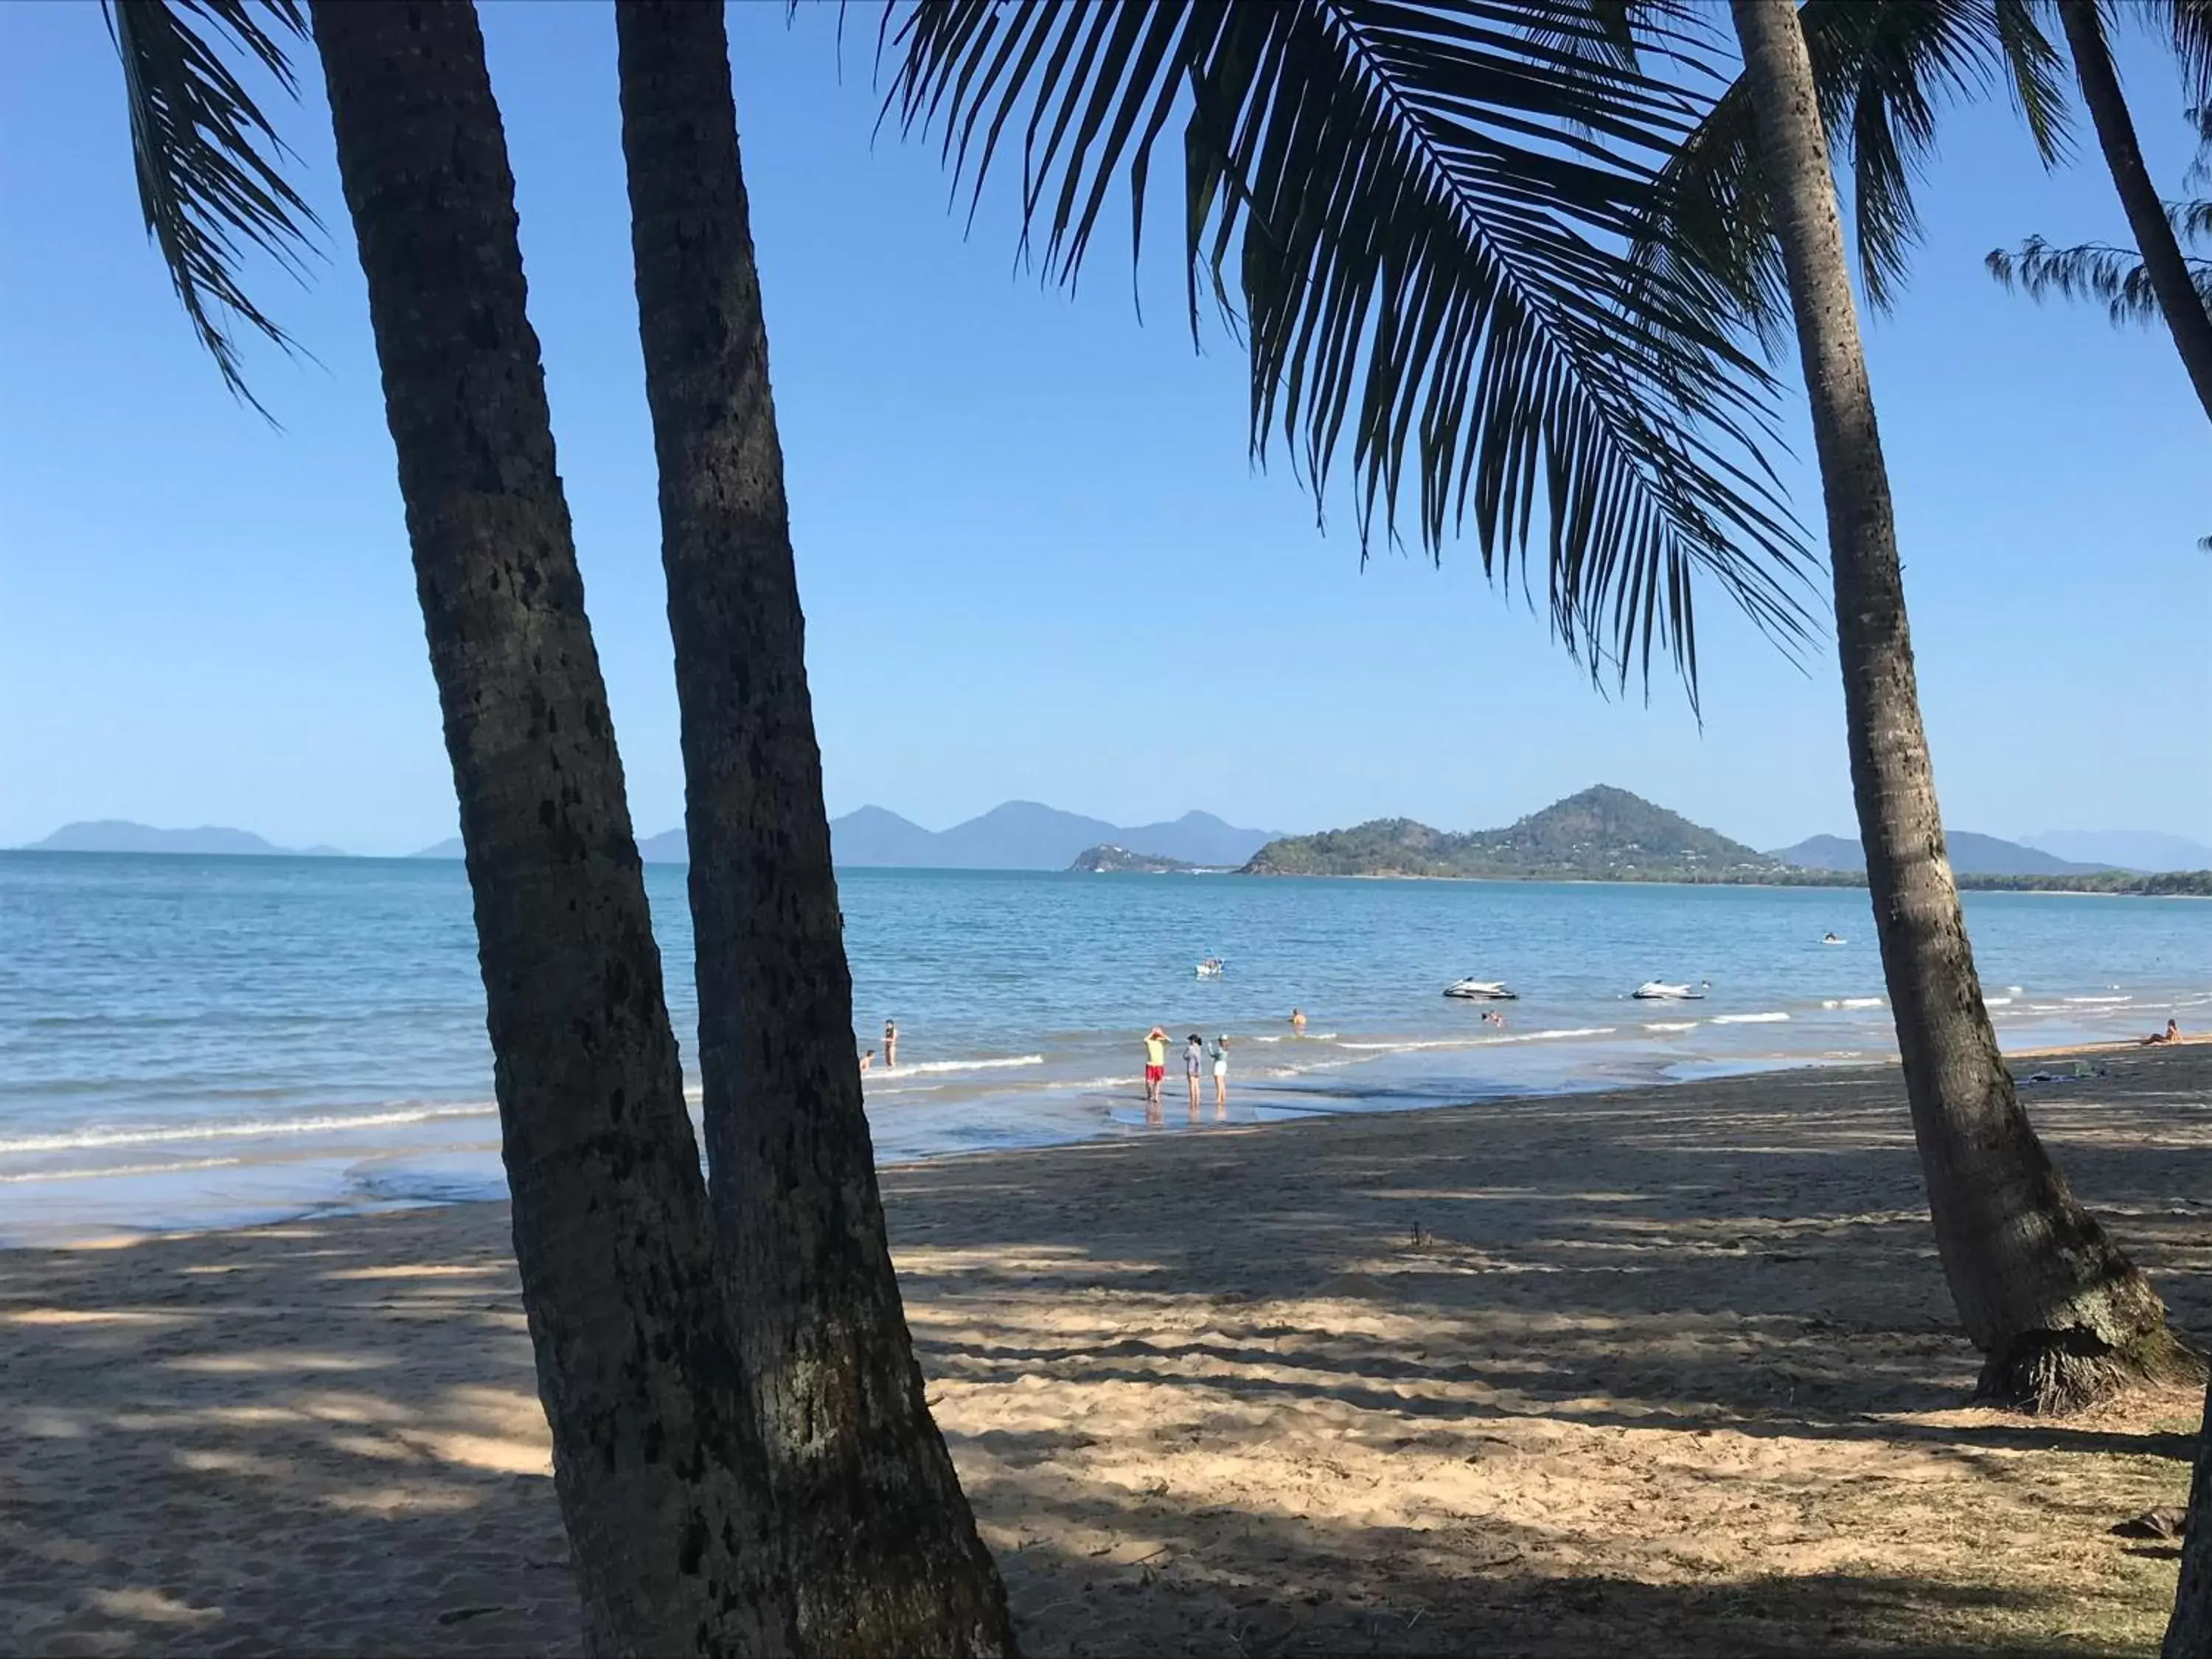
{"x":2120,"y":278}
{"x":2166,"y":270}
{"x":657,"y":1465}
{"x":2060,"y":1313}
{"x":1443,"y":216}
{"x":882,"y":1551}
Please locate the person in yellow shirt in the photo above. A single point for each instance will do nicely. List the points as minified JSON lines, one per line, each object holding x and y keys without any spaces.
{"x":1155,"y":1068}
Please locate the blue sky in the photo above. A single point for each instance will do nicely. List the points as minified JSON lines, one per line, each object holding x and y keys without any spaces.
{"x":1035,"y":559}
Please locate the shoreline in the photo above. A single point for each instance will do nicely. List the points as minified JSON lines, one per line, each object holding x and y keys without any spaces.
{"x":1669,"y":1369}
{"x":1175,"y":1129}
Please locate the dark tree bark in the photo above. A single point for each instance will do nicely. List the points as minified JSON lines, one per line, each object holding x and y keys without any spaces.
{"x":2163,"y":260}
{"x":2189,"y":1631}
{"x":884,"y":1556}
{"x":2058,"y":1311}
{"x":656,"y":1459}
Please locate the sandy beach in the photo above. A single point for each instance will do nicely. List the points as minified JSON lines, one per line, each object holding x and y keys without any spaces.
{"x":1669,"y":1370}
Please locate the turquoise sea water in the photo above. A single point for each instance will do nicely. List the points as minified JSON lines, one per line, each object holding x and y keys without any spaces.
{"x":189,"y":1041}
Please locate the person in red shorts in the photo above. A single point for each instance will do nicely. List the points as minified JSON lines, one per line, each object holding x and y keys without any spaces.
{"x":1156,"y":1067}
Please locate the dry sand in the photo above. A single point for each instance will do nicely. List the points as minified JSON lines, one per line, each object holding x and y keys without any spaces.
{"x":1669,"y":1372}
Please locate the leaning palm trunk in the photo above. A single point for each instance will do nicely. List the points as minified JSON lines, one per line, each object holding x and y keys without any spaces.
{"x":2059,"y":1312}
{"x":655,"y":1457}
{"x":883,"y":1552}
{"x":2189,"y":1631}
{"x":2163,"y":261}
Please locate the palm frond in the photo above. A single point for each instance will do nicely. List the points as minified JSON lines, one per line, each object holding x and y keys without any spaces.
{"x":2114,"y":278}
{"x":208,"y":163}
{"x":2200,"y":165}
{"x":1416,"y":216}
{"x":2191,"y":24}
{"x":1885,"y":70}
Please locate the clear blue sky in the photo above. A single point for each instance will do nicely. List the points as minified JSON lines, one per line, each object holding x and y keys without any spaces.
{"x":1036,"y":561}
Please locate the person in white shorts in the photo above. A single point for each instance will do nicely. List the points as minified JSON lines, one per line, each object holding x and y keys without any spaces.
{"x":1221,"y":1079}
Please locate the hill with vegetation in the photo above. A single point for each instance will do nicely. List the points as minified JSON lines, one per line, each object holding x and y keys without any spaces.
{"x":1603,"y":833}
{"x":2167,"y":884}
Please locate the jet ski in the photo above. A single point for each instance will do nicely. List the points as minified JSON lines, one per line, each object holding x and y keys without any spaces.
{"x":1481,"y":990}
{"x":1833,"y":939}
{"x":1211,"y":968}
{"x":1653,"y":990}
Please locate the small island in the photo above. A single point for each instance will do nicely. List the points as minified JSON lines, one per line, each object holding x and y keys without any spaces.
{"x":1111,"y":859}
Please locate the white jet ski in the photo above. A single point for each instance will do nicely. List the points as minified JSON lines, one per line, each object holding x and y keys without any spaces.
{"x":1211,"y":968}
{"x":1481,"y":990}
{"x":1653,"y":990}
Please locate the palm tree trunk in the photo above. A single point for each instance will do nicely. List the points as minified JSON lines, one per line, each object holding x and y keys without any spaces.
{"x":656,"y":1460}
{"x":2189,"y":1630}
{"x":2185,"y":315}
{"x":884,"y":1556}
{"x":2059,"y":1312}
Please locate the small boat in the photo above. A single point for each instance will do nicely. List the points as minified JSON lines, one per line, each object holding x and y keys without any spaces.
{"x":1653,"y":990}
{"x":1481,"y":990}
{"x":1833,"y":939}
{"x":1211,"y":968}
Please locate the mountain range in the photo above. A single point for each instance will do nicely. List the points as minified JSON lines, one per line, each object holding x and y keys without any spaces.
{"x":1565,"y":838}
{"x":2124,"y":849}
{"x":121,"y":835}
{"x":1020,"y":835}
{"x":1970,"y":855}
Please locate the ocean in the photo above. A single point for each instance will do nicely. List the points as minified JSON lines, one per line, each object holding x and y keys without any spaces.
{"x":199,"y":1041}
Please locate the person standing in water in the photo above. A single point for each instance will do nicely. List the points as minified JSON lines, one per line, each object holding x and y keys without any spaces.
{"x":1221,"y":1079}
{"x":1155,"y":1068}
{"x":890,"y":1044}
{"x":1297,"y":1022}
{"x":1194,"y":1066}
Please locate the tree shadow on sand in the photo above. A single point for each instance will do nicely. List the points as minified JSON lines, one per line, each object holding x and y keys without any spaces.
{"x":1668,"y":1374}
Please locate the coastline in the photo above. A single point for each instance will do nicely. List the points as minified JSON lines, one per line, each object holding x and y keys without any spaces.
{"x":437,"y":1184}
{"x":1667,"y":1369}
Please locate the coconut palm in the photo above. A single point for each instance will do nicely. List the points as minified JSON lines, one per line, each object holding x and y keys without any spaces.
{"x":656,"y":1460}
{"x":1507,"y":245}
{"x":2120,"y":279}
{"x":2060,"y":1313}
{"x":2167,"y":271}
{"x":883,"y":1550}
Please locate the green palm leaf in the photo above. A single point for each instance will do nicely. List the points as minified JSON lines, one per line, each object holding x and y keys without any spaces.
{"x":2114,"y":278}
{"x":208,"y":162}
{"x":1884,"y":70}
{"x":1417,"y":215}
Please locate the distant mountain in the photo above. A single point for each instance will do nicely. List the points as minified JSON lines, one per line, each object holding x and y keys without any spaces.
{"x":1601,"y":834}
{"x":666,"y":847}
{"x":1023,"y":835}
{"x":873,"y":836}
{"x":1823,"y":853}
{"x":1970,"y":855}
{"x":1198,"y":838}
{"x":121,"y":835}
{"x":2146,"y":850}
{"x":1119,"y":860}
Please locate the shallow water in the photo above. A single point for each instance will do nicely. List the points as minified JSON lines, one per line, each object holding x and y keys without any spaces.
{"x":193,"y":1042}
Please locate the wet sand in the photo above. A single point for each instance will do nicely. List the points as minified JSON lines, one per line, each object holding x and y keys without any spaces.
{"x":1664,"y":1371}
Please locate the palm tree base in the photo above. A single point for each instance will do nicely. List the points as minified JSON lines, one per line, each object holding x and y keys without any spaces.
{"x":2052,"y":1373}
